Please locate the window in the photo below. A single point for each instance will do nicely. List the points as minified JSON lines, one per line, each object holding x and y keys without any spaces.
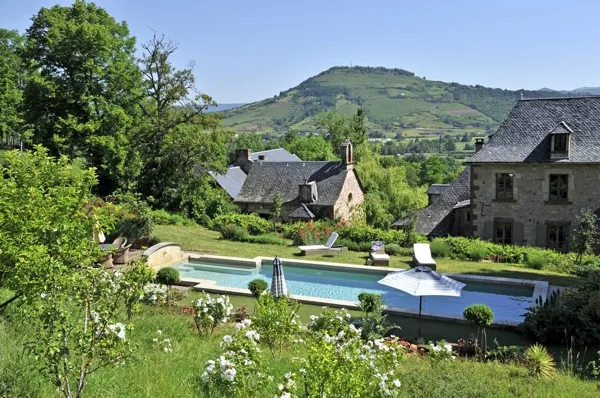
{"x":560,"y":142}
{"x":468,"y":216}
{"x":504,"y":233}
{"x":559,"y":187}
{"x":504,"y":186}
{"x":350,"y":197}
{"x":557,"y":237}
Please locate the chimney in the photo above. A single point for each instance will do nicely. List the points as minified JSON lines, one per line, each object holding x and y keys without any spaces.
{"x":242,"y":155}
{"x":346,"y":154}
{"x":307,"y":192}
{"x":478,"y":144}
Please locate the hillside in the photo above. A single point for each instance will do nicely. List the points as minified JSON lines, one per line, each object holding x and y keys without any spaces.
{"x":394,"y":100}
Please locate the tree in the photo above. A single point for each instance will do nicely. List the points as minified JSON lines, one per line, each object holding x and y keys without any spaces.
{"x":12,"y":74}
{"x":49,"y":260}
{"x":339,"y":128}
{"x":179,"y":143}
{"x":276,"y":210}
{"x":251,"y":141}
{"x":587,"y":234}
{"x":81,"y":93}
{"x":310,"y":148}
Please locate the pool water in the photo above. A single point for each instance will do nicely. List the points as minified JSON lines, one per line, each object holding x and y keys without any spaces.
{"x":508,"y":302}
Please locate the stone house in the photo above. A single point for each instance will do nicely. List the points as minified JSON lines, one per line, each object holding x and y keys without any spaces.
{"x":537,"y":172}
{"x":308,"y":190}
{"x":235,"y":176}
{"x":448,"y":211}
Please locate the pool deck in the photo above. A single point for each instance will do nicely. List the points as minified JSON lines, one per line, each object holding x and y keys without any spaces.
{"x":540,"y":288}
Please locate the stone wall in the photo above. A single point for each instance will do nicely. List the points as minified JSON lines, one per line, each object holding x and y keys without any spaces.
{"x":530,"y":210}
{"x":350,"y":198}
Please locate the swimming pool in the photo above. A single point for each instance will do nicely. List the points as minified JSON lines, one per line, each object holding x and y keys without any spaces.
{"x":509,"y":302}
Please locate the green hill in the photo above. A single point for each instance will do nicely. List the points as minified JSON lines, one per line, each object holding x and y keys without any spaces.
{"x":394,"y":100}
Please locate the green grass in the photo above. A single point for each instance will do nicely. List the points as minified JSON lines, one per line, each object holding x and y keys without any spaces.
{"x":153,"y":373}
{"x":209,"y":242}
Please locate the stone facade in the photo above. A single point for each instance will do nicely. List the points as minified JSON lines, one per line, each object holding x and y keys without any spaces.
{"x":530,"y":212}
{"x":350,"y":198}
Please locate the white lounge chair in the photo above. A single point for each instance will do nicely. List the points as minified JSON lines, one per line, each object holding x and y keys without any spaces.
{"x":377,"y":255}
{"x":120,"y":241}
{"x":422,"y":256}
{"x":327,"y":248}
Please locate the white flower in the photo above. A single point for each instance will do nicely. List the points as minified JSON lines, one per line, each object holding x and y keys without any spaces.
{"x":396,"y":382}
{"x":313,"y":317}
{"x":252,"y":335}
{"x":167,"y":349}
{"x":94,"y":316}
{"x":448,"y":347}
{"x":43,"y":295}
{"x":286,"y":395}
{"x":348,"y":315}
{"x":155,"y":340}
{"x":159,"y":332}
{"x":205,"y":376}
{"x":118,"y":274}
{"x":280,"y":387}
{"x":302,"y":370}
{"x":227,"y":339}
{"x":118,"y":329}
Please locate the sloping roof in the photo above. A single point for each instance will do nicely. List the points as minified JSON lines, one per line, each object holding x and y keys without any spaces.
{"x":302,"y":212}
{"x":265,"y":179}
{"x":524,"y":136}
{"x":561,"y":128}
{"x":275,"y":155}
{"x":435,"y":220}
{"x":232,"y":181}
{"x":437,"y":189}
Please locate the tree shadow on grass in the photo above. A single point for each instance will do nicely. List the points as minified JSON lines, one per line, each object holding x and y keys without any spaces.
{"x":563,"y":280}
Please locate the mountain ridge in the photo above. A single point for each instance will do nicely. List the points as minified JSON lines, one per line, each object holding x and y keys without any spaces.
{"x":394,"y":100}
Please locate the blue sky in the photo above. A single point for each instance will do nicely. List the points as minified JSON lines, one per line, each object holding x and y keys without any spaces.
{"x":249,"y":50}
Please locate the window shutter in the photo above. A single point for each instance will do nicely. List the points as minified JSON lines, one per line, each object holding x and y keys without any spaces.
{"x":488,"y":230}
{"x":540,"y":239}
{"x":518,"y":233}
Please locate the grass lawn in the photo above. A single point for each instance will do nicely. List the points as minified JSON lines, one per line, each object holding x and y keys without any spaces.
{"x":154,"y":373}
{"x":206,"y":241}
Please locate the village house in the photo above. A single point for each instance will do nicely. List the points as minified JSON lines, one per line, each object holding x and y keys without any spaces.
{"x":537,"y":172}
{"x":308,"y":190}
{"x":235,"y":176}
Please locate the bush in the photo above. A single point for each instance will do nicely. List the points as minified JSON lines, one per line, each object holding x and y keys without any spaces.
{"x":370,"y":302}
{"x":394,"y":249}
{"x":257,"y":287}
{"x":477,"y":251}
{"x":479,"y":315}
{"x":539,"y":362}
{"x":167,"y":276}
{"x":276,"y":321}
{"x":233,"y":232}
{"x":267,"y":239}
{"x":536,"y":260}
{"x":135,"y":217}
{"x":355,"y":246}
{"x":311,"y":233}
{"x":250,"y":223}
{"x":440,"y":248}
{"x":161,"y":217}
{"x":210,"y":312}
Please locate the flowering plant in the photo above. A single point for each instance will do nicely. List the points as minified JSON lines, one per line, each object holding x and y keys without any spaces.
{"x":440,"y":351}
{"x":210,"y":312}
{"x":163,"y":343}
{"x":276,"y":320}
{"x":238,"y":369}
{"x":154,"y":294}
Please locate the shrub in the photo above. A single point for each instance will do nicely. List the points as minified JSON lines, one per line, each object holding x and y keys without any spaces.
{"x":440,"y":248}
{"x":178,"y":219}
{"x":330,"y":322}
{"x":257,"y":287}
{"x":394,"y":249}
{"x":210,"y":312}
{"x":161,"y":217}
{"x":370,"y":302}
{"x":536,"y":260}
{"x":311,"y":233}
{"x":167,"y":276}
{"x":241,"y":314}
{"x":267,"y":239}
{"x":250,"y":223}
{"x":477,"y":251}
{"x":135,"y":216}
{"x":276,"y":321}
{"x":233,"y":232}
{"x":539,"y":362}
{"x":355,"y":246}
{"x":482,"y":316}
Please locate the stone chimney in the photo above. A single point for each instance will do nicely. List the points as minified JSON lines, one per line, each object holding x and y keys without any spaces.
{"x":242,"y":155}
{"x":346,"y":154}
{"x":307,"y":192}
{"x":478,"y":144}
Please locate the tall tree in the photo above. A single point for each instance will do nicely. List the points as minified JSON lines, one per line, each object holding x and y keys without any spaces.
{"x":338,"y":127}
{"x":81,"y":95}
{"x":178,"y":141}
{"x":12,"y":126}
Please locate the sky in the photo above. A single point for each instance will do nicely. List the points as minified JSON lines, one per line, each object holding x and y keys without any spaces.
{"x":245,"y":51}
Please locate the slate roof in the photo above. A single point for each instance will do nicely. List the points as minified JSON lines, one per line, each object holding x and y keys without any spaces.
{"x":302,"y":212}
{"x":524,"y":136}
{"x":437,"y":189}
{"x":265,"y":179}
{"x":436,"y":219}
{"x":232,"y":181}
{"x":275,"y":155}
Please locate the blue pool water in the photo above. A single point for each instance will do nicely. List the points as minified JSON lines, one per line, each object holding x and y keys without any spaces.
{"x":508,"y":302}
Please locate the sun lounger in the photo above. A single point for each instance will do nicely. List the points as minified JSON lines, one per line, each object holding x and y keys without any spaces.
{"x":377,"y":255}
{"x":319,"y":250}
{"x":120,"y":241}
{"x":422,"y":256}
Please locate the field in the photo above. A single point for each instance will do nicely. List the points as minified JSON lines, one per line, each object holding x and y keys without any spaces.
{"x":209,"y":242}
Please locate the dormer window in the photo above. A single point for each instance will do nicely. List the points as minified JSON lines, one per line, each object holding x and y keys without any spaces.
{"x":560,"y":140}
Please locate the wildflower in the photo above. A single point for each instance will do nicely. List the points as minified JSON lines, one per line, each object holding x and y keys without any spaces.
{"x":43,"y":295}
{"x":159,"y":332}
{"x":396,"y":382}
{"x":94,"y":316}
{"x":205,"y":376}
{"x":227,"y":339}
{"x":118,"y":329}
{"x":229,"y":374}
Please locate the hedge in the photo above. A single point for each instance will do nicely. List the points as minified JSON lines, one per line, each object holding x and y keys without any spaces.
{"x":251,"y":223}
